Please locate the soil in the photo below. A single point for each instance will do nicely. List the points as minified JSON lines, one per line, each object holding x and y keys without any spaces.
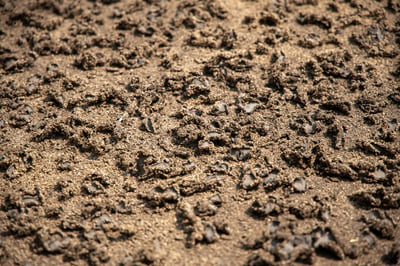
{"x":205,"y":132}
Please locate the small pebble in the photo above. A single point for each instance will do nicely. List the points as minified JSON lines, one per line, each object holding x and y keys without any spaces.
{"x":299,"y":185}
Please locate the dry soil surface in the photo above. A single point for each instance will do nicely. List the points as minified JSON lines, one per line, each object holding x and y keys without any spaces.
{"x":199,"y":132}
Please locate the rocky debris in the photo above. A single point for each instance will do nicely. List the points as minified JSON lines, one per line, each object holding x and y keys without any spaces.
{"x":209,"y":183}
{"x":150,"y":167}
{"x":95,"y":185}
{"x":50,"y":241}
{"x":305,"y":210}
{"x":379,"y":224}
{"x":196,"y":229}
{"x":266,"y":208}
{"x":272,"y":181}
{"x":298,"y":248}
{"x":241,"y":154}
{"x":72,"y":223}
{"x":195,"y":87}
{"x":24,"y":200}
{"x":386,"y":198}
{"x":325,"y":241}
{"x":249,"y":181}
{"x":88,"y":61}
{"x":21,"y":117}
{"x":332,"y":168}
{"x":64,"y":165}
{"x":123,"y":207}
{"x":160,"y":196}
{"x":220,"y":108}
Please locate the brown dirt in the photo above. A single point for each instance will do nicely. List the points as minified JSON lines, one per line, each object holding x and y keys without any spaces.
{"x":199,"y":132}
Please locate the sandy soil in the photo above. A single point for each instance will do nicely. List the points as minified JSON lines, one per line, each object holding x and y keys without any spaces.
{"x":199,"y":132}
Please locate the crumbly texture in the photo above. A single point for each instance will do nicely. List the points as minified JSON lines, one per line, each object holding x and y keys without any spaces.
{"x":199,"y":132}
